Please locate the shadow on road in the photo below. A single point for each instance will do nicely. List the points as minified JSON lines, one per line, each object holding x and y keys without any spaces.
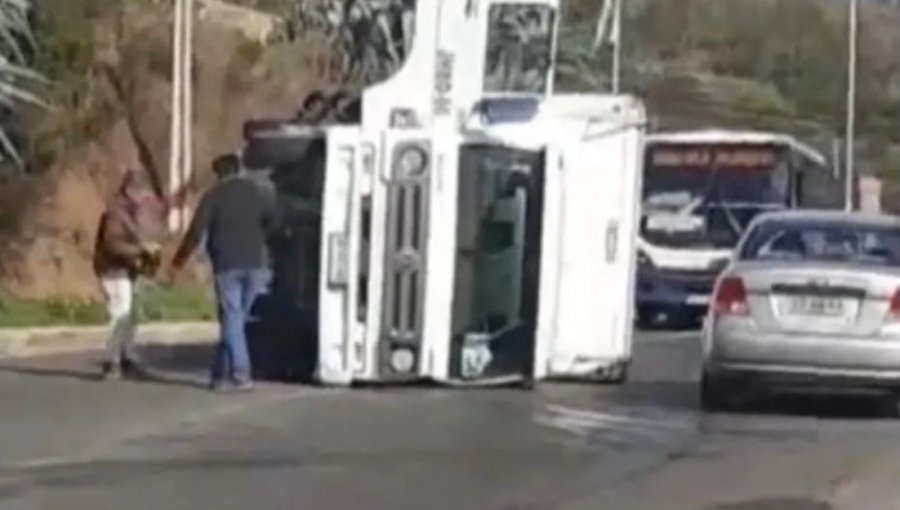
{"x":171,"y":365}
{"x":834,"y":407}
{"x":82,"y":375}
{"x":776,"y":504}
{"x":178,"y":365}
{"x":683,"y":396}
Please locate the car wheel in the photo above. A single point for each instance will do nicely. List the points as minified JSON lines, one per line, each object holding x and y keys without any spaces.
{"x":715,"y":393}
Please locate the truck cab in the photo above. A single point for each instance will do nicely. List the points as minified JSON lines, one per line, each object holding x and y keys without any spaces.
{"x":473,"y":227}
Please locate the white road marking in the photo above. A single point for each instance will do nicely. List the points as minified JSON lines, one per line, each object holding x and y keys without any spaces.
{"x":623,"y":427}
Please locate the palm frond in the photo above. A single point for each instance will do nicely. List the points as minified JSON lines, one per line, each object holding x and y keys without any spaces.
{"x":16,"y":42}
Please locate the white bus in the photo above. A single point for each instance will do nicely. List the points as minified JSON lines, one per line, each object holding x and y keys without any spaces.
{"x":700,"y":190}
{"x":451,"y":234}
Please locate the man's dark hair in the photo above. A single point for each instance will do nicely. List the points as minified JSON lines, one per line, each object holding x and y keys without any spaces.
{"x":226,"y":166}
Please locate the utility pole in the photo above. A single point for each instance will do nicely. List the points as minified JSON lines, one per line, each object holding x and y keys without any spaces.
{"x":180,"y":139}
{"x":850,"y":173}
{"x":616,"y":37}
{"x":175,"y":136}
{"x":609,"y":31}
{"x":187,"y":129}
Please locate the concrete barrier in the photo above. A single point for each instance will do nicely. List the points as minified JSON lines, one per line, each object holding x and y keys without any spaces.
{"x":29,"y":342}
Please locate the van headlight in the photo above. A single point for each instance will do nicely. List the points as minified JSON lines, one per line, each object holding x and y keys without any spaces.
{"x":643,"y":259}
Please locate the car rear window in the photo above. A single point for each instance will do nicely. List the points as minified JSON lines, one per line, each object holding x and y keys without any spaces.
{"x":820,"y":241}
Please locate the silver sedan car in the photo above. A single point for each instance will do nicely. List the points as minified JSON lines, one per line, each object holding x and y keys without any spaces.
{"x":810,"y":299}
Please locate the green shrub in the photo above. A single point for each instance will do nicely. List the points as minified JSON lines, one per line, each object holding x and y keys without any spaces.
{"x":183,"y":303}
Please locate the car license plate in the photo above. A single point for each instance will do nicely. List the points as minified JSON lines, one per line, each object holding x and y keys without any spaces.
{"x":698,"y":299}
{"x":816,"y":307}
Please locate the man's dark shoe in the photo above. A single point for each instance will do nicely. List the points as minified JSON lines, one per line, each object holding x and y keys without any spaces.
{"x":136,"y":371}
{"x":111,"y":372}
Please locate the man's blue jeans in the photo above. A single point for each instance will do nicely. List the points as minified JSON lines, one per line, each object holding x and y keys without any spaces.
{"x":236,"y":291}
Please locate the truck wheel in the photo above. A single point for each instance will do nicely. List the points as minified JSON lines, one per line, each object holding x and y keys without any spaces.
{"x":715,"y":393}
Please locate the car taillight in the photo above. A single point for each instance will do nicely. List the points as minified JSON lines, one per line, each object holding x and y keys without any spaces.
{"x":731,"y":297}
{"x":894,"y":310}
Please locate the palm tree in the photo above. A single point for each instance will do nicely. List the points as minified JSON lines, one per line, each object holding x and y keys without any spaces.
{"x":372,"y":36}
{"x":17,"y":44}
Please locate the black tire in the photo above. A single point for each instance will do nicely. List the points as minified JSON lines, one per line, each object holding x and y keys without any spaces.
{"x":715,"y":393}
{"x":646,"y":317}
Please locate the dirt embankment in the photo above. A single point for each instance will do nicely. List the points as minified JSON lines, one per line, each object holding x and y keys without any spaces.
{"x":47,"y":221}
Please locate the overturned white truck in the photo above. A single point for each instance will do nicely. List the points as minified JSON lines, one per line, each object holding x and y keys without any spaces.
{"x":474,"y":227}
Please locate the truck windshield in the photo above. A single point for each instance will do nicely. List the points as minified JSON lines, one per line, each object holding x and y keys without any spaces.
{"x":520,"y":41}
{"x":836,"y":242}
{"x":705,"y":199}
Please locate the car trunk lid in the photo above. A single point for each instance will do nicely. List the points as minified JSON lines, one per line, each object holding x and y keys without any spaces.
{"x":831,"y":300}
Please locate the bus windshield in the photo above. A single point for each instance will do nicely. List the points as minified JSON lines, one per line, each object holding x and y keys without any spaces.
{"x":704,"y":196}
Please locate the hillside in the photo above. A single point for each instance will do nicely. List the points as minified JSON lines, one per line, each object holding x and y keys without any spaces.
{"x":771,"y":64}
{"x":110,"y":64}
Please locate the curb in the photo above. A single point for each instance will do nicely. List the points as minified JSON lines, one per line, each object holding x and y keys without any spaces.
{"x":30,"y":342}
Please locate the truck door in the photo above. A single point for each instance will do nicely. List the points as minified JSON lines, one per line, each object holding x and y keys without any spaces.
{"x":594,"y":183}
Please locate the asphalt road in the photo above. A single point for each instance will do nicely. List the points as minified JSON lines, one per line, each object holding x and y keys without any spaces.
{"x":70,"y":442}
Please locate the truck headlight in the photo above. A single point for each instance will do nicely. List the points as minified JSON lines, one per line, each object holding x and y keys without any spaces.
{"x":403,"y":360}
{"x":412,"y":162}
